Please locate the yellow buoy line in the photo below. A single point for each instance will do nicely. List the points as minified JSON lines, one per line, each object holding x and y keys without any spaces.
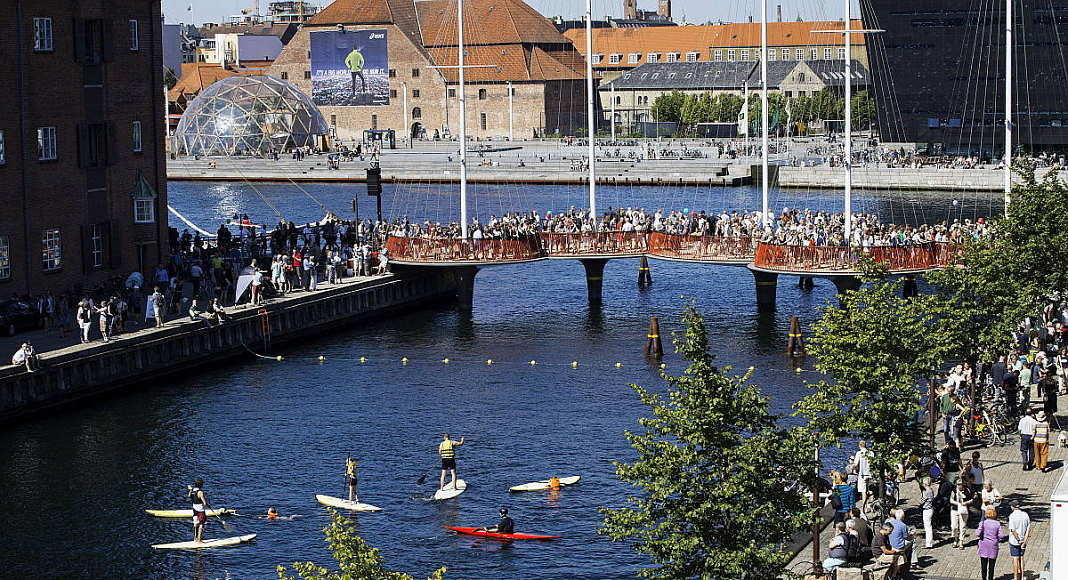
{"x":405,"y":361}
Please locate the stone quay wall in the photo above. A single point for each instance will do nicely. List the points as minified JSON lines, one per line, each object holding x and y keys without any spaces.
{"x":82,"y":371}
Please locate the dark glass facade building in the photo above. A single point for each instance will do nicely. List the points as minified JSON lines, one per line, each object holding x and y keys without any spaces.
{"x":939,"y":72}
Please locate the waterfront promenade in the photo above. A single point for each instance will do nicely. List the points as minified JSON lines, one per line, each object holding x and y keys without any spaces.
{"x":944,"y":562}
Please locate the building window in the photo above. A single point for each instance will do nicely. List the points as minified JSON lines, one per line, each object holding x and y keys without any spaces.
{"x":800,"y":54}
{"x":307,"y":75}
{"x":46,"y":143}
{"x":96,"y":245}
{"x":482,"y":121}
{"x":415,"y":93}
{"x":717,"y":55}
{"x":135,"y":36}
{"x":136,"y":126}
{"x":841,"y":54}
{"x":333,"y":119}
{"x":393,"y":93}
{"x":828,"y":53}
{"x":5,"y":258}
{"x":771,"y":54}
{"x":619,"y":100}
{"x":814,"y":53}
{"x":634,"y":57}
{"x":692,"y":56}
{"x":653,"y":57}
{"x":482,"y":94}
{"x":285,"y":75}
{"x":51,"y":249}
{"x":786,"y":54}
{"x":415,"y":73}
{"x":392,"y":73}
{"x":452,"y":93}
{"x":672,"y":57}
{"x":745,"y":55}
{"x":144,"y":211}
{"x":597,"y":58}
{"x":42,"y":34}
{"x":615,"y":58}
{"x":731,"y":55}
{"x":374,"y":122}
{"x":3,"y":150}
{"x":417,"y":113}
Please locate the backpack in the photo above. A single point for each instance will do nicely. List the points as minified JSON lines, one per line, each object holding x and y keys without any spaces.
{"x":836,"y":500}
{"x":852,"y":546}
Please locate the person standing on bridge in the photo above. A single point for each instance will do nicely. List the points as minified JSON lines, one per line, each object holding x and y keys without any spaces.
{"x":447,"y":451}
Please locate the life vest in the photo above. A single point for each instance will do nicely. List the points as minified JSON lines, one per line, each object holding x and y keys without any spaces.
{"x":350,"y":468}
{"x":554,"y":483}
{"x":272,"y":515}
{"x":194,"y":497}
{"x":446,"y":449}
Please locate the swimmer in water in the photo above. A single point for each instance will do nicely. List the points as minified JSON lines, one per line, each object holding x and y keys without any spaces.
{"x":272,"y":514}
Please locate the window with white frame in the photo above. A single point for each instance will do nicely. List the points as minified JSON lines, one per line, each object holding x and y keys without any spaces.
{"x":745,"y":55}
{"x":717,"y":55}
{"x":692,"y":56}
{"x":144,"y":210}
{"x":137,"y":146}
{"x":828,"y":53}
{"x":42,"y":34}
{"x":597,"y":58}
{"x":672,"y":57}
{"x":841,"y":54}
{"x":96,"y":246}
{"x":51,"y":249}
{"x":771,"y":54}
{"x":731,"y":54}
{"x":786,"y":54}
{"x":3,"y":149}
{"x":46,"y":143}
{"x":135,"y":35}
{"x":800,"y":54}
{"x":634,"y":57}
{"x":615,"y":58}
{"x":814,"y":54}
{"x":5,"y":258}
{"x":653,"y":57}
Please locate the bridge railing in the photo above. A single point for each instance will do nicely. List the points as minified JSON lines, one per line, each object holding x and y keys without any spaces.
{"x":430,"y":250}
{"x":594,"y":243}
{"x":695,"y":247}
{"x":841,"y":258}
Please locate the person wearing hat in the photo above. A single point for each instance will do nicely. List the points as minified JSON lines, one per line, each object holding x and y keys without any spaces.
{"x":1041,"y":441}
{"x":505,"y":526}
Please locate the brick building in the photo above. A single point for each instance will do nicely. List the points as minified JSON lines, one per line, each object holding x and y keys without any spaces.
{"x":82,"y":171}
{"x":536,"y":85}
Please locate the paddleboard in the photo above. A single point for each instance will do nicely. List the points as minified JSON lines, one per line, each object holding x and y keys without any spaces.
{"x":540,"y":485}
{"x":450,"y":492}
{"x":188,"y":513}
{"x":480,"y":532}
{"x":219,"y":543}
{"x":346,"y":504}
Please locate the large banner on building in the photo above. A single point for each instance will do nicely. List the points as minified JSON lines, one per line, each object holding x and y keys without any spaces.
{"x":350,"y":67}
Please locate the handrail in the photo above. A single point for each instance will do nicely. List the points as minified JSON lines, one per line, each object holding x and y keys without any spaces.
{"x":841,"y":258}
{"x":430,"y":250}
{"x":697,"y":247}
{"x":594,"y":243}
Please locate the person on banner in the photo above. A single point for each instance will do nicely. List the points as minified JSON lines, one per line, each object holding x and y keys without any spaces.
{"x":354,"y":62}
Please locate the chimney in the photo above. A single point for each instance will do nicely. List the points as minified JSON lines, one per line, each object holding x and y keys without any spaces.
{"x":778,"y":9}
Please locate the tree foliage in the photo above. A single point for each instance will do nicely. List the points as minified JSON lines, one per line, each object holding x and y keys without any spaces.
{"x":690,"y":109}
{"x":356,"y":560}
{"x":713,"y":468}
{"x":874,"y":349}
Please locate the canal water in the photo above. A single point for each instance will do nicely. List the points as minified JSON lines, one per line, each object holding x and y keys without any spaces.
{"x":267,"y":433}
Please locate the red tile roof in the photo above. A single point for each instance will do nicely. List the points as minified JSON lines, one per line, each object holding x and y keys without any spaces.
{"x":485,"y":22}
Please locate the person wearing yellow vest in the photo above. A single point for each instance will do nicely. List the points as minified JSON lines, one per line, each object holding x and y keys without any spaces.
{"x":1041,"y":442}
{"x":447,"y":451}
{"x":350,"y":477}
{"x":354,"y":62}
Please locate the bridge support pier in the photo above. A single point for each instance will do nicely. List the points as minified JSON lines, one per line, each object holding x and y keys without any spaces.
{"x":594,"y":279}
{"x":846,"y":283}
{"x":806,"y":282}
{"x":465,"y":290}
{"x":766,"y":285}
{"x":908,"y":286}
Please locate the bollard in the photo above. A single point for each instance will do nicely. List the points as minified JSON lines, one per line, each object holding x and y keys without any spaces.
{"x":645,"y":278}
{"x":653,"y":347}
{"x":796,"y":345}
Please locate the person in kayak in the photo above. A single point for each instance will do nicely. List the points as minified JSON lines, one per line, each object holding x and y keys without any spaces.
{"x":200,"y":506}
{"x":350,"y":477}
{"x":272,"y":514}
{"x":554,"y":483}
{"x":505,"y":526}
{"x":447,"y":451}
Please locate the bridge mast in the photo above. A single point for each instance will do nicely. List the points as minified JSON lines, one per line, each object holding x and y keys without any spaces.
{"x":463,"y":118}
{"x":764,"y":113}
{"x":1008,"y":102}
{"x":848,"y":126}
{"x":590,"y":125}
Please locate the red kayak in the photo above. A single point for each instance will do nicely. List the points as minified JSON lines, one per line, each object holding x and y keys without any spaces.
{"x":482,"y":533}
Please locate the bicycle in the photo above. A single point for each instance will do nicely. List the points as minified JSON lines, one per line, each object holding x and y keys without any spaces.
{"x":988,"y":432}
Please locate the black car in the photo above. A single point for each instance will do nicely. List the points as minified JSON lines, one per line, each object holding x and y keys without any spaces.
{"x":16,"y":315}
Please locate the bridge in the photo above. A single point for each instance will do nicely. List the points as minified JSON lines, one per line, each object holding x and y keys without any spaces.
{"x":766,"y":261}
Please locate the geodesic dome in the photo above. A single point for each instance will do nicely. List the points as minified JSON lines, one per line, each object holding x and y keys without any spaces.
{"x":245,"y":115}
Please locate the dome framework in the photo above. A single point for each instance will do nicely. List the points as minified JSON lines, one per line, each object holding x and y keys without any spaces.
{"x":248,"y":115}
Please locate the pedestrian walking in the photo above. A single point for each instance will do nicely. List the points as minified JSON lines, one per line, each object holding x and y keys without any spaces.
{"x":85,"y":319}
{"x":1019,"y":532}
{"x":927,"y":499}
{"x":989,"y":535}
{"x":1041,"y":441}
{"x":1026,"y":427}
{"x":960,"y":499}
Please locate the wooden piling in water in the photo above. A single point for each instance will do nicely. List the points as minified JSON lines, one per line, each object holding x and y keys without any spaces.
{"x":796,"y":345}
{"x":653,"y":347}
{"x":645,"y":277}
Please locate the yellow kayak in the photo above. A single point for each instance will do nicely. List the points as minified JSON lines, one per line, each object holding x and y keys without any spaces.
{"x":188,"y":513}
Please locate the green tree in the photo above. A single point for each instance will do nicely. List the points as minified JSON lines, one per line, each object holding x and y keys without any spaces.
{"x":863,"y":108}
{"x":713,"y":466}
{"x":875,"y":349}
{"x":667,"y":108}
{"x":356,"y":560}
{"x":726,"y":108}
